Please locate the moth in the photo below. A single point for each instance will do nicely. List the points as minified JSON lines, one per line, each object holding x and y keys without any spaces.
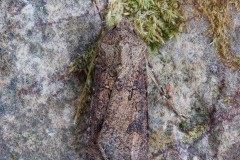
{"x":119,"y":112}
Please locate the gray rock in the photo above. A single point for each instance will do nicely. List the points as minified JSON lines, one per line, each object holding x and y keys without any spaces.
{"x":202,"y":89}
{"x":39,"y":39}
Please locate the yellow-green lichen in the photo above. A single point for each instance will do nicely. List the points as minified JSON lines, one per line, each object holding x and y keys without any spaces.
{"x":195,"y":133}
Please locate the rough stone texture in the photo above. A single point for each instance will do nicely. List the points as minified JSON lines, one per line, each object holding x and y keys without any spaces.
{"x":202,"y":89}
{"x":39,"y":38}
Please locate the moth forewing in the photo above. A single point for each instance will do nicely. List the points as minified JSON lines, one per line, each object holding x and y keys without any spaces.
{"x":118,"y":122}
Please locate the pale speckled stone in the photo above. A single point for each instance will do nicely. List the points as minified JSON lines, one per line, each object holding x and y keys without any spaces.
{"x":204,"y":90}
{"x":39,"y":38}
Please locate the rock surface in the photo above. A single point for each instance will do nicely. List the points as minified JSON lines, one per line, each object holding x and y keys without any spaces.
{"x":38,"y":40}
{"x":202,"y":89}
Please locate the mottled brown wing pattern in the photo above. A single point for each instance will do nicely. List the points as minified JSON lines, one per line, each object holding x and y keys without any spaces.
{"x":118,"y":122}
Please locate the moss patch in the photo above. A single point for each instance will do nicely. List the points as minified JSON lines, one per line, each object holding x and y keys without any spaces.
{"x":84,"y":64}
{"x":218,"y":13}
{"x":159,"y":20}
{"x":155,"y":20}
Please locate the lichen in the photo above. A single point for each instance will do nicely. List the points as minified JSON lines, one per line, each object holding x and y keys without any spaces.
{"x":194,"y":133}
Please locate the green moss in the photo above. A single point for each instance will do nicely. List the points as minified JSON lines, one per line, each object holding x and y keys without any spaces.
{"x":182,"y":125}
{"x":159,"y":20}
{"x":155,"y":20}
{"x":84,"y":64}
{"x":81,"y":63}
{"x":86,"y":90}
